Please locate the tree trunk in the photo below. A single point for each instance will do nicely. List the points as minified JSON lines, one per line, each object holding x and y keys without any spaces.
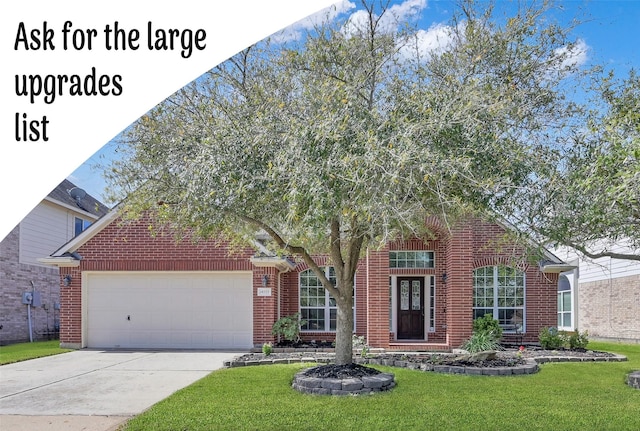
{"x":344,"y":331}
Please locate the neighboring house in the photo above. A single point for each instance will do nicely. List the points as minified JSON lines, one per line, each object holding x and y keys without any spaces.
{"x":131,"y":289}
{"x":53,"y":222}
{"x":601,"y":296}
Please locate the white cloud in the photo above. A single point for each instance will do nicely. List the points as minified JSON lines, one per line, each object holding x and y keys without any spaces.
{"x":296,"y":30}
{"x":388,"y":23}
{"x":433,"y":40}
{"x":573,"y":56}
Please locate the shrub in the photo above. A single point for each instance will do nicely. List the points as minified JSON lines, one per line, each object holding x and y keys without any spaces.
{"x":359,"y":342}
{"x":489,"y":325}
{"x":481,"y":342}
{"x":267,"y":349}
{"x":551,"y":339}
{"x":288,"y":327}
{"x":578,"y":340}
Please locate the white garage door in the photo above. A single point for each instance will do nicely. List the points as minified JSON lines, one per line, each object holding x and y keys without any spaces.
{"x":177,"y":310}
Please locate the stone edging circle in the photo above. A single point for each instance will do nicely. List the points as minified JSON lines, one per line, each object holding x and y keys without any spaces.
{"x":633,"y":379}
{"x":350,"y":386}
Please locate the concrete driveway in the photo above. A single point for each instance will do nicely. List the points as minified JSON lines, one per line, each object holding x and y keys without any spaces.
{"x":96,"y":389}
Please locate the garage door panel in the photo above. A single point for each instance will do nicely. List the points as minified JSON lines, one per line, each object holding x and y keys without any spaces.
{"x":169,"y":310}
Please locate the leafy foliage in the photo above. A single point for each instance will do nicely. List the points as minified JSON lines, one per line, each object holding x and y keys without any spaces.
{"x":591,"y":202}
{"x":267,"y":349}
{"x":353,"y":137}
{"x":551,"y":339}
{"x":288,"y":327}
{"x":578,"y":340}
{"x":487,"y":324}
{"x":481,"y":341}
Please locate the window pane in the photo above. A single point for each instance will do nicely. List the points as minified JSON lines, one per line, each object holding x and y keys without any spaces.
{"x":333,"y":318}
{"x":404,"y":295}
{"x":415,"y":295}
{"x":411,"y":259}
{"x":566,"y":301}
{"x":566,"y":319}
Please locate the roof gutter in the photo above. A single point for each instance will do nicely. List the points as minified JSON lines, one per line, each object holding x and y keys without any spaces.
{"x":61,"y":261}
{"x":556,"y":268}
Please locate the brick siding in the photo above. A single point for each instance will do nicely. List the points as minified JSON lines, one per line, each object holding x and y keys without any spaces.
{"x":610,"y":308}
{"x":15,"y":279}
{"x":130,"y":247}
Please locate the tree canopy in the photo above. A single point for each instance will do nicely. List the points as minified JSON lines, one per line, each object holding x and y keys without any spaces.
{"x":591,"y":203}
{"x":354,"y":135}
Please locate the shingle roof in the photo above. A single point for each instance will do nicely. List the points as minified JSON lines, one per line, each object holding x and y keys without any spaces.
{"x":88,"y":203}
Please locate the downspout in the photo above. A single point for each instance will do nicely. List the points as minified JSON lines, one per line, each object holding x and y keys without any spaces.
{"x":367,"y":284}
{"x":33,"y":290}
{"x":279,"y":287}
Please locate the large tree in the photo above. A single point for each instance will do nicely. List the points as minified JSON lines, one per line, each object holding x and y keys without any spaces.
{"x":354,"y":135}
{"x":591,"y":202}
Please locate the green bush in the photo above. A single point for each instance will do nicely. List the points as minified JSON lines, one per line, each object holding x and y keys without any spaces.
{"x":481,"y":342}
{"x":551,"y":339}
{"x":489,"y":325}
{"x":578,"y":340}
{"x":267,"y":348}
{"x":288,"y":327}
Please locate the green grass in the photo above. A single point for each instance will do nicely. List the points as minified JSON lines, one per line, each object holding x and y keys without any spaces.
{"x":24,"y":351}
{"x":562,"y":396}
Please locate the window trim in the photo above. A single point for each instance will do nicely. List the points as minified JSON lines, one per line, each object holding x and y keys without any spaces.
{"x":560,"y":312}
{"x":495,"y":308}
{"x":431,"y":259}
{"x":327,"y":303}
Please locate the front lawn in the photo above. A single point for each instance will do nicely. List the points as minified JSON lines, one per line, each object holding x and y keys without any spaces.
{"x":562,"y":396}
{"x":24,"y":351}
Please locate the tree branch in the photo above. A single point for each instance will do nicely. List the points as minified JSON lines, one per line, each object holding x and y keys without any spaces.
{"x":596,"y":255}
{"x":297,"y":250}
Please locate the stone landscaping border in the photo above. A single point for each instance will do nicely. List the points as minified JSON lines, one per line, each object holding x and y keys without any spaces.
{"x":530,"y":367}
{"x":633,"y":379}
{"x":364,"y":385}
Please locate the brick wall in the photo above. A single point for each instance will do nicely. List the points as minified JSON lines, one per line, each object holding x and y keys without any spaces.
{"x":131,"y":247}
{"x":610,"y":308}
{"x":492,"y":248}
{"x":15,"y":279}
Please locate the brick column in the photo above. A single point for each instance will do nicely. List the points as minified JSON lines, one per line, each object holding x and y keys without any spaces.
{"x":459,"y":284}
{"x":377,"y":263}
{"x":71,"y":309}
{"x":265,"y":308}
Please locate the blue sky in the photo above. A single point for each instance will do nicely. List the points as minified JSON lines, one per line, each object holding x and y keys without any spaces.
{"x":609,"y":34}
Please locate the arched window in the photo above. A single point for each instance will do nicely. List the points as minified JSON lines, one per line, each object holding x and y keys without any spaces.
{"x":564,"y":303}
{"x":499,"y":291}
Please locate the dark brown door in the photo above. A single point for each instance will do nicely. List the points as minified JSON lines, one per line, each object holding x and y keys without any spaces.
{"x":410,"y":308}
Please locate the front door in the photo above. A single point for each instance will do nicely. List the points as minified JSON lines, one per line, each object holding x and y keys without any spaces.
{"x":410,"y":308}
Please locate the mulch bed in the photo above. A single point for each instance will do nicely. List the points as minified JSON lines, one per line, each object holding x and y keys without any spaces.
{"x":333,"y":371}
{"x":505,"y":358}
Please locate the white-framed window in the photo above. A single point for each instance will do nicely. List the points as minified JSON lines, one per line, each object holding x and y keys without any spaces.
{"x":317,"y":307}
{"x":565,"y":309}
{"x":411,"y":259}
{"x":79,"y":225}
{"x":500,"y":292}
{"x":431,"y":286}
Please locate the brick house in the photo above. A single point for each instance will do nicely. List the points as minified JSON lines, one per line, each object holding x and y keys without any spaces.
{"x":54,"y":221}
{"x":601,"y":296}
{"x":129,"y":289}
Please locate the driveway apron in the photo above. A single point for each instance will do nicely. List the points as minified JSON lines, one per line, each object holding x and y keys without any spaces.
{"x":98,"y":383}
